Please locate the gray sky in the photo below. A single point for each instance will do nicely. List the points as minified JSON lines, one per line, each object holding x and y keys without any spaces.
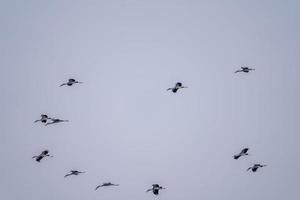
{"x":124,"y":127}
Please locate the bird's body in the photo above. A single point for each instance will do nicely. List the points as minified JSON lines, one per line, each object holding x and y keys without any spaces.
{"x":73,"y":172}
{"x":177,"y":86}
{"x":55,"y":121}
{"x":70,"y":82}
{"x":244,"y":152}
{"x":244,"y":69}
{"x":105,"y":185}
{"x":44,"y":118}
{"x":155,"y":189}
{"x":44,"y":153}
{"x":255,"y":167}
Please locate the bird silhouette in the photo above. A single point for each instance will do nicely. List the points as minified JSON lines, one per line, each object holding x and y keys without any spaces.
{"x":105,"y":185}
{"x":255,"y":167}
{"x":155,"y":189}
{"x":73,"y":172}
{"x":177,"y":86}
{"x":44,"y":153}
{"x":70,"y":82}
{"x":244,"y":69}
{"x":242,"y":153}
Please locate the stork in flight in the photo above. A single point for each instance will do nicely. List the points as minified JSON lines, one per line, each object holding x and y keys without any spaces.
{"x":177,"y":86}
{"x":44,"y":118}
{"x":55,"y":121}
{"x":70,"y":82}
{"x":242,"y":153}
{"x":244,"y":69}
{"x":155,"y":189}
{"x":255,"y":167}
{"x":105,"y":185}
{"x":44,"y":153}
{"x":73,"y":172}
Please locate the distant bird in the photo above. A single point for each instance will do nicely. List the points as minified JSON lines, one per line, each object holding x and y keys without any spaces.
{"x":44,"y":153}
{"x":255,"y":167}
{"x":244,"y":69}
{"x":70,"y":82}
{"x":177,"y":86}
{"x":105,"y":185}
{"x":155,"y":189}
{"x":43,"y":119}
{"x":242,"y":153}
{"x":55,"y":120}
{"x":73,"y":172}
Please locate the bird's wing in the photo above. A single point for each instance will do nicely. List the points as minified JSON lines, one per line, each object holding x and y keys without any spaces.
{"x":245,"y":150}
{"x":98,"y":187}
{"x":63,"y":84}
{"x":67,"y":175}
{"x":169,"y":89}
{"x":149,"y":190}
{"x":45,"y":152}
{"x":49,"y":123}
{"x":71,"y":80}
{"x":249,"y":168}
{"x":37,"y":120}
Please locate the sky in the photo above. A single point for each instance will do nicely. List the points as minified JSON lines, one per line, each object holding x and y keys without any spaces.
{"x":124,"y":127}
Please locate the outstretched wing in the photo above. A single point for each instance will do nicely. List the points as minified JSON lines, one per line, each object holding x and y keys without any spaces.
{"x":98,"y":187}
{"x":245,"y":150}
{"x":149,"y":190}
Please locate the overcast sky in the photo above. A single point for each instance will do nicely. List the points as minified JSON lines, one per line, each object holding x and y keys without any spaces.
{"x":124,"y":126}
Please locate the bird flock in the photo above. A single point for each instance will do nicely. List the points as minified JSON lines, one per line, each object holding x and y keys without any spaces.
{"x":46,"y":120}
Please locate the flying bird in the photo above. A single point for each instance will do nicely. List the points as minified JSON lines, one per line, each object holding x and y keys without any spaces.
{"x":105,"y":185}
{"x":55,"y":121}
{"x":255,"y":167}
{"x":177,"y":86}
{"x":155,"y":189}
{"x":44,"y":153}
{"x":242,"y":153}
{"x":73,"y":172}
{"x":244,"y":69}
{"x":70,"y":82}
{"x":44,"y":118}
